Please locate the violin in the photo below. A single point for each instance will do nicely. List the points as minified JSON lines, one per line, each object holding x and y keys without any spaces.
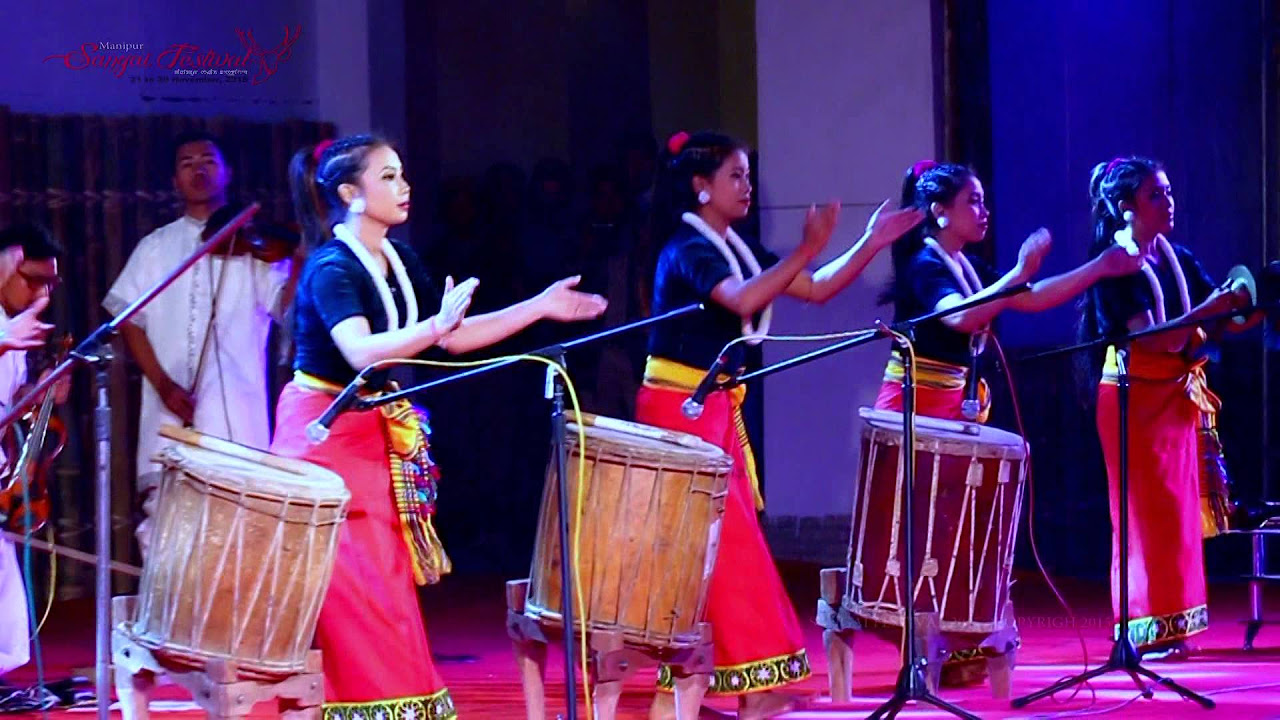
{"x":24,"y":486}
{"x":264,"y":240}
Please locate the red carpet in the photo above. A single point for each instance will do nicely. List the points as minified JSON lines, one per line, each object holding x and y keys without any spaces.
{"x":466,"y":616}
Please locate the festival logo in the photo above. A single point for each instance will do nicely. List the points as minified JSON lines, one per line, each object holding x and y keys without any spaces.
{"x":184,"y":62}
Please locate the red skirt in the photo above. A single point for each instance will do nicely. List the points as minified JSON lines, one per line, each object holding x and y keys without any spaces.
{"x":1167,"y":592}
{"x":930,"y":402}
{"x":758,"y":641}
{"x":370,"y":629}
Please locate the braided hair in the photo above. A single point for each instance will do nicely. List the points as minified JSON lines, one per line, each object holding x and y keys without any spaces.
{"x":316,"y":172}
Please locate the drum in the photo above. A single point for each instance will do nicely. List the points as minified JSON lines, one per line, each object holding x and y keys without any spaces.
{"x":649,"y":528}
{"x":968,"y":495}
{"x":240,"y":557}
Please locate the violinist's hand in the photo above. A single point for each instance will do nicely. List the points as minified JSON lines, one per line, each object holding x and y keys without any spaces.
{"x":25,"y":331}
{"x":61,"y":388}
{"x":178,"y":401}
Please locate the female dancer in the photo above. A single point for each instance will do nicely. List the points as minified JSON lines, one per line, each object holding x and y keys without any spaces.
{"x":363,"y":298}
{"x":703,"y":187}
{"x":932,"y":272}
{"x":1176,"y":488}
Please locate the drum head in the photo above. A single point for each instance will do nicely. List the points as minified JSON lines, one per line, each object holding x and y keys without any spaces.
{"x":949,"y":431}
{"x":238,"y":474}
{"x":655,"y":444}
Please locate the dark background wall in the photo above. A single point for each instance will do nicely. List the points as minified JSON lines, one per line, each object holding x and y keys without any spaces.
{"x":1079,"y":82}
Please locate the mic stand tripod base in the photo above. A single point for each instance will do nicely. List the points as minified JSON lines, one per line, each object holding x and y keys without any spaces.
{"x":911,"y":687}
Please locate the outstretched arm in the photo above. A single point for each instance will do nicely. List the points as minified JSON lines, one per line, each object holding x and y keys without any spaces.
{"x":1052,"y":292}
{"x":558,"y":302}
{"x":747,"y":297}
{"x":882,"y":230}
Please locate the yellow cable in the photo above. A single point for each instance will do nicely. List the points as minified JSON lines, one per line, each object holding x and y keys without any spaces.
{"x":578,"y":501}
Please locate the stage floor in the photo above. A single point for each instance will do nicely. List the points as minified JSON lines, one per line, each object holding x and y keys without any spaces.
{"x":465,"y":616}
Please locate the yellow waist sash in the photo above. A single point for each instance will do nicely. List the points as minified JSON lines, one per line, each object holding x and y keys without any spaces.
{"x":414,"y":477}
{"x":665,"y":374}
{"x":938,"y":375}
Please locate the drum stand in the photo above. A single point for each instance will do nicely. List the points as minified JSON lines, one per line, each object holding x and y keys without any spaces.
{"x":911,"y":685}
{"x":555,"y":393}
{"x":223,"y":689}
{"x":612,"y":661}
{"x":1124,"y":656}
{"x":95,"y":350}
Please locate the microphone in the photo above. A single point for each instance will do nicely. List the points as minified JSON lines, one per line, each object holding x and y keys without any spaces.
{"x":971,"y":408}
{"x":692,"y":408}
{"x":318,"y":429}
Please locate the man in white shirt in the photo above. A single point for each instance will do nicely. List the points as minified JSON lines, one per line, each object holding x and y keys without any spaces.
{"x":28,"y":273}
{"x":204,"y":361}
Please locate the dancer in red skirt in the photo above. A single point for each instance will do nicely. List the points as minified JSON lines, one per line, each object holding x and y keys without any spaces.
{"x":1177,"y":487}
{"x":703,"y":187}
{"x":363,"y":298}
{"x":933,"y":271}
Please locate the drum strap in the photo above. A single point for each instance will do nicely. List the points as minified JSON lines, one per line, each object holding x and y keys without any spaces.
{"x":664,"y":374}
{"x":414,"y":479}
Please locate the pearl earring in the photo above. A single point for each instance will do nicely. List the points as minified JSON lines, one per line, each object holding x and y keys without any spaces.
{"x":1128,"y":217}
{"x":704,"y":197}
{"x":357,"y":206}
{"x":943,"y":222}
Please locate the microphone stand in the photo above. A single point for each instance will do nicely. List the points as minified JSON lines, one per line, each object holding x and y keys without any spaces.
{"x":95,"y":351}
{"x":911,"y":685}
{"x":1124,"y":655}
{"x":555,"y":393}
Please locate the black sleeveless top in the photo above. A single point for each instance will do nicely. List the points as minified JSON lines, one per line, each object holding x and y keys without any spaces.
{"x":921,"y":285}
{"x":334,"y":286}
{"x":1116,"y":300}
{"x":689,"y":268}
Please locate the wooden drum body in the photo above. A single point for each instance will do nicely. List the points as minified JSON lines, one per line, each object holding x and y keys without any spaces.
{"x":240,"y":558}
{"x":649,"y":530}
{"x":968,"y":496}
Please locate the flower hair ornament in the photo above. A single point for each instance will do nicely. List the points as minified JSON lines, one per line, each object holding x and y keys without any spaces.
{"x":922,"y":167}
{"x":320,"y":149}
{"x":677,"y":142}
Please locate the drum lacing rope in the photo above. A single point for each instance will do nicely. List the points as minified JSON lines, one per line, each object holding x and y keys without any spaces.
{"x":907,"y":345}
{"x":563,"y":372}
{"x":908,"y":456}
